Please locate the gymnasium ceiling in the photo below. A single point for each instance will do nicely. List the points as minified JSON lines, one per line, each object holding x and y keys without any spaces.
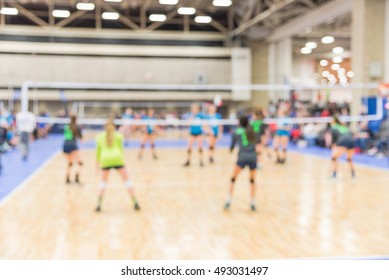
{"x":253,"y":18}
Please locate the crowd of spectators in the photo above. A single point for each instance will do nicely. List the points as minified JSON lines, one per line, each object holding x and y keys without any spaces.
{"x":370,"y":138}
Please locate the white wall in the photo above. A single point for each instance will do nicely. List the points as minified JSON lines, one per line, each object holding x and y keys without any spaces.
{"x":241,"y":72}
{"x":148,"y":64}
{"x":303,"y":71}
{"x":19,"y":68}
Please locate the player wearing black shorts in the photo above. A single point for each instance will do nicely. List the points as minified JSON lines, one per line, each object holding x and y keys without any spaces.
{"x":342,"y":143}
{"x":244,"y":136}
{"x":72,"y":133}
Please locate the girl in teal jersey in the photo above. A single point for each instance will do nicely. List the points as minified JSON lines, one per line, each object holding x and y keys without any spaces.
{"x":149,"y":134}
{"x":196,"y":133}
{"x":281,"y":139}
{"x":214,"y":129}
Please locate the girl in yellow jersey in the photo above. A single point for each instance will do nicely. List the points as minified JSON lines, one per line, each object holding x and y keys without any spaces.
{"x":110,"y":155}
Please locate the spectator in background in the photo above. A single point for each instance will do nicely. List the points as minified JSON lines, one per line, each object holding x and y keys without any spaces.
{"x":363,"y":137}
{"x":43,"y":128}
{"x":381,"y":140}
{"x":3,"y":141}
{"x":25,"y":124}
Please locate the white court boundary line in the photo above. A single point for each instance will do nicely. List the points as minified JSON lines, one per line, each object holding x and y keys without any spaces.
{"x":19,"y":188}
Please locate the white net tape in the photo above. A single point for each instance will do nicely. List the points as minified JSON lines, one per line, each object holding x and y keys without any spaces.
{"x":179,"y":122}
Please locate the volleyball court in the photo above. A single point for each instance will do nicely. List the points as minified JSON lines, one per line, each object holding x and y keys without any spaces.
{"x":191,"y":196}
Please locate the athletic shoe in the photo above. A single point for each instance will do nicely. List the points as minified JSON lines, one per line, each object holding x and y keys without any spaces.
{"x":98,"y":209}
{"x":67,"y":180}
{"x":211,"y":160}
{"x":77,"y":179}
{"x":155,"y":157}
{"x":201,"y":164}
{"x":353,"y":174}
{"x":253,"y":207}
{"x":227,"y":206}
{"x":136,"y":207}
{"x":186,"y":164}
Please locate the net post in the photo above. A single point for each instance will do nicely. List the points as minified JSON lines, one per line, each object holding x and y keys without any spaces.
{"x":24,"y":97}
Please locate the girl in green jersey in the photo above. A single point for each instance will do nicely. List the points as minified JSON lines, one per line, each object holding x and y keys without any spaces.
{"x":110,"y":155}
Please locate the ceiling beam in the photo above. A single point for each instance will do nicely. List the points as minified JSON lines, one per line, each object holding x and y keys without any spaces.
{"x":316,"y":17}
{"x":309,"y":4}
{"x":262,"y":16}
{"x":156,"y":24}
{"x":73,"y":17}
{"x":29,"y":15}
{"x":143,"y":13}
{"x":126,"y":21}
{"x":215,"y":24}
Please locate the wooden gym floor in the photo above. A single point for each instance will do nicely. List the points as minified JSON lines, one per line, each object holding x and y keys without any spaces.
{"x":301,"y":213}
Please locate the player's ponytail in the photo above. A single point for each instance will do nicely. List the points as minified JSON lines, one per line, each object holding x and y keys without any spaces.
{"x":110,"y":130}
{"x":73,"y":126}
{"x":244,"y":123}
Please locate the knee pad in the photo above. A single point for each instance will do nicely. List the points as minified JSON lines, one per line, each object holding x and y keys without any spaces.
{"x":70,"y":164}
{"x":212,"y":148}
{"x":333,"y":159}
{"x":102,"y":186}
{"x":284,"y":150}
{"x":200,"y":151}
{"x":349,"y":160}
{"x":142,"y":146}
{"x":252,"y":181}
{"x":153,"y":146}
{"x":80,"y":163}
{"x":189,"y":151}
{"x":233,"y":180}
{"x":129,"y":184}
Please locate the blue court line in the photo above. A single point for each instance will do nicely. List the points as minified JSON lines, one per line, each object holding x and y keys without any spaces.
{"x":15,"y":171}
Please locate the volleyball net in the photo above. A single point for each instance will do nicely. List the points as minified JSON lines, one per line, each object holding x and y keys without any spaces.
{"x":93,"y":103}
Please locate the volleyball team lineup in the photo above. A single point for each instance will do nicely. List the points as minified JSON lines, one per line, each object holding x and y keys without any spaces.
{"x":253,"y":136}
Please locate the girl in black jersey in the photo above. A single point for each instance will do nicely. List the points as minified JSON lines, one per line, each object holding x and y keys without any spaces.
{"x":244,"y":136}
{"x":342,"y":143}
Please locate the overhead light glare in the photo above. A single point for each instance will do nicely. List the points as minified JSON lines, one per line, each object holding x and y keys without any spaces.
{"x":85,"y":6}
{"x":305,"y":50}
{"x":203,"y":19}
{"x":9,"y":11}
{"x":157,"y":17}
{"x":311,"y":45}
{"x":222,"y":3}
{"x":186,"y":11}
{"x":61,"y":13}
{"x":327,"y":39}
{"x":110,"y":15}
{"x":168,"y":2}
